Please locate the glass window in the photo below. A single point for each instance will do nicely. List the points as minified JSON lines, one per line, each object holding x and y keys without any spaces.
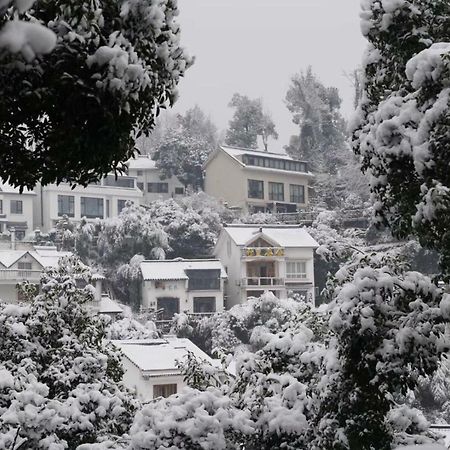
{"x":16,"y":207}
{"x":1,"y":206}
{"x":203,"y":280}
{"x":66,"y":205}
{"x":204,"y":304}
{"x":276,"y":191}
{"x":120,"y":205}
{"x":140,"y":186}
{"x":179,"y":190}
{"x":158,"y":188}
{"x":124,"y":182}
{"x":255,"y":189}
{"x":139,"y":173}
{"x":297,"y":193}
{"x":164,"y":390}
{"x":296,"y":269}
{"x":24,"y":266}
{"x":107,"y":208}
{"x":92,"y":207}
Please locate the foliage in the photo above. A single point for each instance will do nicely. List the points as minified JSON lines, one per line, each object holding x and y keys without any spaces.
{"x":401,"y":129}
{"x":129,"y":328}
{"x":58,"y":382}
{"x":115,"y":63}
{"x":249,"y":121}
{"x":315,"y":109}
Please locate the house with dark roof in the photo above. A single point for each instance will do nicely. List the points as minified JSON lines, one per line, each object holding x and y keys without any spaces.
{"x":257,"y":181}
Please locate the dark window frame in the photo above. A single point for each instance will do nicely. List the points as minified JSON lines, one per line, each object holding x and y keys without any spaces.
{"x":255,"y":189}
{"x":16,"y":209}
{"x":66,"y":205}
{"x":297,"y":197}
{"x":276,"y":191}
{"x":100,"y":201}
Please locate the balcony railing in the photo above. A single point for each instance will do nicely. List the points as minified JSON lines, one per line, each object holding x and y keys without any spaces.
{"x":19,"y":275}
{"x":262,"y":252}
{"x":262,"y":282}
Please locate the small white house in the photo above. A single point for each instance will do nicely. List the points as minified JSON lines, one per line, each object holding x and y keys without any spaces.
{"x":151,"y":365}
{"x":17,"y":266}
{"x":259,"y":258}
{"x":151,"y":181}
{"x":194,"y":286}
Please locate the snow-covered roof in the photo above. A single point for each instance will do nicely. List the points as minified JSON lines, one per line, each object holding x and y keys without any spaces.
{"x":8,"y":189}
{"x":159,"y":355}
{"x":175,"y":269}
{"x":284,"y":236}
{"x":141,"y":162}
{"x":235,"y":152}
{"x":45,"y":256}
{"x":109,"y":306}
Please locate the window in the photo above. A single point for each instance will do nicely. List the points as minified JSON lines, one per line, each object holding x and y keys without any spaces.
{"x":204,"y":304}
{"x":92,"y":207}
{"x":139,"y":173}
{"x":164,"y":390}
{"x":16,"y":207}
{"x":120,"y":205}
{"x":296,"y":269}
{"x":276,"y":191}
{"x":140,"y":186}
{"x":107,"y":208}
{"x":1,"y":206}
{"x":158,"y":188}
{"x":66,"y":205}
{"x":179,"y":190}
{"x":24,"y":266}
{"x":297,"y":193}
{"x":255,"y":189}
{"x":123,"y":182}
{"x":203,"y":280}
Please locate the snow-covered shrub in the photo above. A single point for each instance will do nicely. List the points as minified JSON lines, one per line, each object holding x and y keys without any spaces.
{"x":59,"y":383}
{"x":129,"y":328}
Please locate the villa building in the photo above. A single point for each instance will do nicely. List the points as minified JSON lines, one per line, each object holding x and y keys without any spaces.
{"x":151,"y":181}
{"x":262,"y":258}
{"x":151,"y":365}
{"x":193,"y":286}
{"x":257,"y":181}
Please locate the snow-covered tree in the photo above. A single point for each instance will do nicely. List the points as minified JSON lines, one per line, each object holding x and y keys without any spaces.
{"x":129,"y":328}
{"x":58,"y":381}
{"x":249,"y":121}
{"x":401,"y":129}
{"x":115,"y":63}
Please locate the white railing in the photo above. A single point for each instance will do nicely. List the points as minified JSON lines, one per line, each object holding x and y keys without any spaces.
{"x":262,"y":281}
{"x":264,"y":252}
{"x":19,"y":275}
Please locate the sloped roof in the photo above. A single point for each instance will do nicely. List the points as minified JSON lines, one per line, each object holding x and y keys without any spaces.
{"x":175,"y":269}
{"x":284,"y":236}
{"x":109,"y":306}
{"x":237,"y":151}
{"x":45,"y":256}
{"x":159,"y":354}
{"x":141,"y":162}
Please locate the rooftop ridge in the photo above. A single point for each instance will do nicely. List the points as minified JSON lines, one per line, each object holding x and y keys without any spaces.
{"x":261,"y":225}
{"x":262,"y":152}
{"x":179,"y":260}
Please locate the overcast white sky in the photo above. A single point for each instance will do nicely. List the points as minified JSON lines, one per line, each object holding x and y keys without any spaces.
{"x":254,"y":47}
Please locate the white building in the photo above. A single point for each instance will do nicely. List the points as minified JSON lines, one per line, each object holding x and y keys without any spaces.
{"x":151,"y":365}
{"x":99,"y":200}
{"x":257,"y":181}
{"x":16,"y":210}
{"x":17,"y":266}
{"x":260,"y":258}
{"x":151,"y":181}
{"x":194,"y":286}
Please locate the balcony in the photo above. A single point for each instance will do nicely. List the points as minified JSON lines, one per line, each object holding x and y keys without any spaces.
{"x":264,"y":282}
{"x":17,"y":276}
{"x":262,"y":252}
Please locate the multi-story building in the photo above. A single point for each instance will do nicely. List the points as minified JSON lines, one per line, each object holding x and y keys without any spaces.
{"x":257,"y":181}
{"x":151,"y":366}
{"x":25,"y":264}
{"x":151,"y":182}
{"x":263,"y":258}
{"x":16,"y":210}
{"x":96,"y":201}
{"x":193,"y":286}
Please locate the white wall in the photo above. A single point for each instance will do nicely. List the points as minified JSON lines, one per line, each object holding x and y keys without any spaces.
{"x":27,"y":209}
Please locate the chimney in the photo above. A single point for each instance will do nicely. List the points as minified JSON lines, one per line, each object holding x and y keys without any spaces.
{"x":12,"y":231}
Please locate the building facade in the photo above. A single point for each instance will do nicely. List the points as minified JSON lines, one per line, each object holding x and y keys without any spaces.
{"x":151,"y":365}
{"x":17,"y":266}
{"x":151,"y":182}
{"x":96,"y":201}
{"x":263,"y":258}
{"x":193,"y":286}
{"x":257,"y":181}
{"x":16,"y":210}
